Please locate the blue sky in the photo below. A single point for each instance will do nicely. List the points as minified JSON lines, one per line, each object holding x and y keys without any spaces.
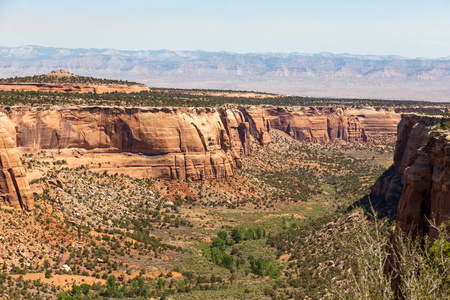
{"x":408,"y":28}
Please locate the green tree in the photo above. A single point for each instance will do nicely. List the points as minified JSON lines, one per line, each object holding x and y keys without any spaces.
{"x":227,"y":261}
{"x":65,"y":296}
{"x":237,"y":234}
{"x":222,"y":235}
{"x":216,"y":255}
{"x":111,"y":286}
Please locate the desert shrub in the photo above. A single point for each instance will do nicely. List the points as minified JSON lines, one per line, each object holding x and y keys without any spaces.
{"x":263,"y":267}
{"x":419,"y":267}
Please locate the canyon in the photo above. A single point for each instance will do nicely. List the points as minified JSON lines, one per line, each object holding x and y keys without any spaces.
{"x":91,"y":172}
{"x":175,"y":143}
{"x":115,"y":189}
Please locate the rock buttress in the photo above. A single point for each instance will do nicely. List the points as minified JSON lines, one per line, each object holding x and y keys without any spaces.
{"x":412,"y":134}
{"x":426,"y":192}
{"x":14,"y":189}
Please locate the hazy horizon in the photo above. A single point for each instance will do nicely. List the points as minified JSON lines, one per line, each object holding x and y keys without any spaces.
{"x":409,"y":29}
{"x":234,"y":52}
{"x":313,"y":75}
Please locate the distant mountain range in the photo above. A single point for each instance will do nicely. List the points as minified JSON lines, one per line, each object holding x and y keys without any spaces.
{"x":315,"y":75}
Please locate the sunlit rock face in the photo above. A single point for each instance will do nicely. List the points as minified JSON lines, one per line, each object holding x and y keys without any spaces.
{"x":412,"y":134}
{"x":308,"y":124}
{"x":178,"y":143}
{"x":426,"y":192}
{"x":181,"y":143}
{"x":14,"y":189}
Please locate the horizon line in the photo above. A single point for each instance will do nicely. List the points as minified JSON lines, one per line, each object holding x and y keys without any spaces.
{"x":322,"y":53}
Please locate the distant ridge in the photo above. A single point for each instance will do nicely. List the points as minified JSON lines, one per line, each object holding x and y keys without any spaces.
{"x":63,"y":77}
{"x":316,"y":75}
{"x":63,"y":81}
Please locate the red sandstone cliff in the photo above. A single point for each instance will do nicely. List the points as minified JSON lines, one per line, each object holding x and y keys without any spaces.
{"x":14,"y":188}
{"x":374,"y":120}
{"x":177,"y":143}
{"x":426,"y":192}
{"x":421,"y":173}
{"x":412,"y":134}
{"x":180,"y":143}
{"x":309,"y":124}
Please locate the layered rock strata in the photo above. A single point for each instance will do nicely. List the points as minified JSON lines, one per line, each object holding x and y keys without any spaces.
{"x":326,"y":124}
{"x":426,"y":192}
{"x":14,"y":188}
{"x":171,"y":143}
{"x":308,"y":124}
{"x":419,"y":180}
{"x":412,"y":134}
{"x":375,"y":121}
{"x":180,"y":143}
{"x":425,"y":198}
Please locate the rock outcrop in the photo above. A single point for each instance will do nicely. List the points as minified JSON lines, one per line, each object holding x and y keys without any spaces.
{"x":412,"y":134}
{"x":258,"y":122}
{"x":308,"y":124}
{"x":423,"y":158}
{"x":426,"y":192}
{"x":14,"y":188}
{"x":236,"y":129}
{"x":162,"y":131}
{"x":375,"y":121}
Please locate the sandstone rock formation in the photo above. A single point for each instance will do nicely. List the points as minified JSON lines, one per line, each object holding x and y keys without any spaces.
{"x":309,"y":124}
{"x":375,"y":120}
{"x":259,"y":125}
{"x":425,"y":196}
{"x":14,"y":188}
{"x":180,"y":143}
{"x":412,"y":134}
{"x":171,"y":143}
{"x":237,"y":129}
{"x":426,"y":192}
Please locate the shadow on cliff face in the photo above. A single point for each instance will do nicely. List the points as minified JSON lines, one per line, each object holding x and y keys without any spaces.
{"x":383,"y":202}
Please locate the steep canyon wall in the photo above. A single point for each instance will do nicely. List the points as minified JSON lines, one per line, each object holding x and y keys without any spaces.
{"x":412,"y":134}
{"x":320,"y":124}
{"x":425,"y":196}
{"x":180,"y":143}
{"x":176,"y":143}
{"x":14,"y":188}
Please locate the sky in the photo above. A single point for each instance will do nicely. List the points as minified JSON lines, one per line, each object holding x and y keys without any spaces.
{"x":370,"y":27}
